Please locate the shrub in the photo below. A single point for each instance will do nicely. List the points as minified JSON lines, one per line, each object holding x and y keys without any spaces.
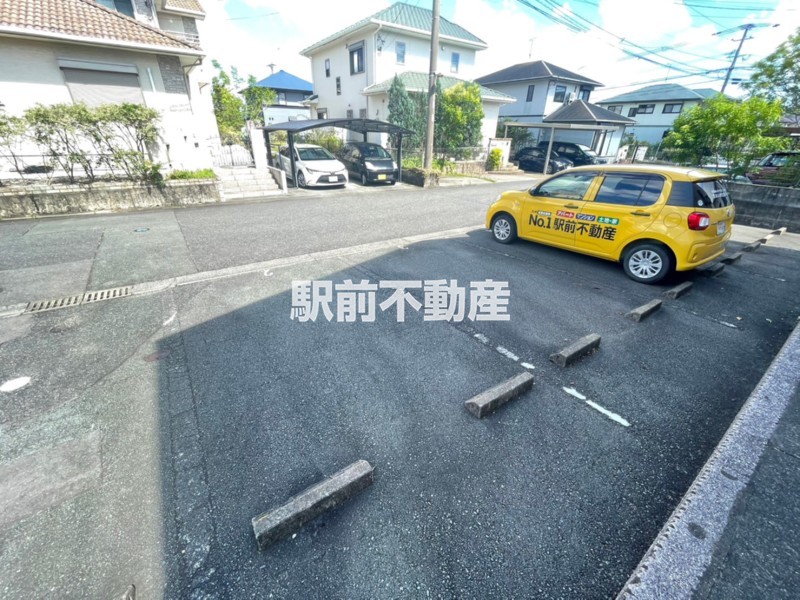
{"x":198,"y":174}
{"x":495,"y":159}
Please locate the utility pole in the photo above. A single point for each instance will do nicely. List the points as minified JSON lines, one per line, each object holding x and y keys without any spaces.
{"x":746,"y":29}
{"x":428,"y":162}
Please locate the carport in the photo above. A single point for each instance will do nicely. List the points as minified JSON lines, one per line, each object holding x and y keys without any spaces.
{"x":363,"y":126}
{"x":553,"y":127}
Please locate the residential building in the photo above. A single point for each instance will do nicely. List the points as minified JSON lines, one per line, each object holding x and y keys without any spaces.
{"x":655,"y":108}
{"x":539,"y":88}
{"x":291,"y":97}
{"x":353,"y":68}
{"x":140,"y":51}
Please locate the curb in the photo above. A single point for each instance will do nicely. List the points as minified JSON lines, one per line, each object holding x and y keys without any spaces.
{"x":732,"y":258}
{"x":493,"y":398}
{"x":278,"y":523}
{"x":644,"y":311}
{"x":676,"y":561}
{"x":679,"y":290}
{"x":576,"y":350}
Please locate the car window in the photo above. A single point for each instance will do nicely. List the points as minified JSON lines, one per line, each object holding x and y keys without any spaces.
{"x":284,"y":151}
{"x":375,"y":152}
{"x":702,"y":194}
{"x":586,"y":150}
{"x":314,"y":154}
{"x":630,"y":189}
{"x":572,"y":186}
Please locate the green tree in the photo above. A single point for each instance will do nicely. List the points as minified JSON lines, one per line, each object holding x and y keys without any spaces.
{"x":734,"y":130}
{"x":520,"y":136}
{"x":255,"y":99}
{"x":228,"y":107}
{"x":403,"y":111}
{"x":460,"y":117}
{"x":777,"y":77}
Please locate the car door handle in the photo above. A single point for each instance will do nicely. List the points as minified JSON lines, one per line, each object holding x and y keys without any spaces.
{"x":640,"y":214}
{"x":572,"y":206}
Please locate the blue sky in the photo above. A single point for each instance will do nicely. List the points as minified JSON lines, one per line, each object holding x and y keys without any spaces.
{"x":622,"y":43}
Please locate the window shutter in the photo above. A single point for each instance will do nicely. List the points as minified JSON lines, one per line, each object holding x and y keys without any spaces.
{"x":103,"y":87}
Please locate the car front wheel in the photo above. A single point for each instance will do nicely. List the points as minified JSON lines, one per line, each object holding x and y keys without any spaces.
{"x":301,"y":179}
{"x":504,"y":229}
{"x":647,"y":263}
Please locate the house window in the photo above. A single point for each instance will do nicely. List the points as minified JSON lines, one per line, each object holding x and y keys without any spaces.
{"x":349,"y":113}
{"x":400,"y":52}
{"x":338,"y":86}
{"x":327,"y":67}
{"x":645,"y":109}
{"x":529,"y":97}
{"x":121,"y":6}
{"x":561,"y":92}
{"x":322,"y":113}
{"x":673,"y":108}
{"x":102,"y":87}
{"x":632,"y":112}
{"x":615,"y":108}
{"x":455,"y":57}
{"x":362,"y":113}
{"x":357,"y":58}
{"x":281,"y":97}
{"x":584,"y":94}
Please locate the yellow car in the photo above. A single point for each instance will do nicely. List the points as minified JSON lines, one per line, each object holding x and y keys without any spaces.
{"x":652,"y":219}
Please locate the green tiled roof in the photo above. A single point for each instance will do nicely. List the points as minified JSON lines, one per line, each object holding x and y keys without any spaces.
{"x":662,"y":91}
{"x":408,"y":16}
{"x":415,"y":81}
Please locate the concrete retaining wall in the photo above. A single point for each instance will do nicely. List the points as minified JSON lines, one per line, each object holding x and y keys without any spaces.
{"x":766,"y":206}
{"x":62,"y":199}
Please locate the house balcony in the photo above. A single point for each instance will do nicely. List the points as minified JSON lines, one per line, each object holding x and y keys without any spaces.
{"x":190,"y":38}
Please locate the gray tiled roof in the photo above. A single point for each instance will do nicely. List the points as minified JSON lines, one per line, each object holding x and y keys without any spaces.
{"x":418,"y":82}
{"x":580,"y":111}
{"x":84,"y":19}
{"x":408,"y":16}
{"x":537,"y":69}
{"x":662,"y":91}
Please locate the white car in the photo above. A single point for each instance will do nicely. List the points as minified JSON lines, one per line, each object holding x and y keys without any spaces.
{"x":314,"y":165}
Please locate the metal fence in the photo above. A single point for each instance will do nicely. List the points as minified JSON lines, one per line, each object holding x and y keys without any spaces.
{"x":229,"y":155}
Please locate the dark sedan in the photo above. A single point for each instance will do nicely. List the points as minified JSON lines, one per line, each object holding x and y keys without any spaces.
{"x":532,"y":159}
{"x":368,"y":163}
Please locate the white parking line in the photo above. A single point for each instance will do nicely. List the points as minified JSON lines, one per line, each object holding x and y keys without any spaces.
{"x":527,"y":365}
{"x":604,"y":411}
{"x":507,"y":353}
{"x":15,"y":384}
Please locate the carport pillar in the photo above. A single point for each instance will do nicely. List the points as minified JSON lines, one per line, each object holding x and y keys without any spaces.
{"x":293,"y":174}
{"x":365,"y":136}
{"x":549,"y":150}
{"x":399,"y":157}
{"x":270,"y":161}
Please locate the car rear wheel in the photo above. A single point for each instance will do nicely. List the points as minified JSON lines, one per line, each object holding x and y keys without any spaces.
{"x":647,"y":263}
{"x":504,"y":229}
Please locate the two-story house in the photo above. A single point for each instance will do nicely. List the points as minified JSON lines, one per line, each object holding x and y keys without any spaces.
{"x":353,"y":68}
{"x":291,"y":97}
{"x":140,"y":51}
{"x":655,"y":108}
{"x":539,"y":88}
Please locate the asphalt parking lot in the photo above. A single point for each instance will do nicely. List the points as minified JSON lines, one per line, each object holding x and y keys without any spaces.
{"x":213,"y":405}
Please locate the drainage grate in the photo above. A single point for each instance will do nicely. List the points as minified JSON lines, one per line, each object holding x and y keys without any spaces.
{"x":43,"y":305}
{"x":99,"y":295}
{"x":87,"y":298}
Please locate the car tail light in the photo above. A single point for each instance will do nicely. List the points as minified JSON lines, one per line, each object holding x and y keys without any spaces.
{"x":699,"y":221}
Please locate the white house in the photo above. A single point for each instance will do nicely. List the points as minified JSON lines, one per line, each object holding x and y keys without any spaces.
{"x":353,"y":68}
{"x":655,"y":108}
{"x":142,"y":51}
{"x":539,"y":89}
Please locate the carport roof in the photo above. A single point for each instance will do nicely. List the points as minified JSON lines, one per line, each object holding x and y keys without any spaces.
{"x":357,"y":125}
{"x":580,"y":111}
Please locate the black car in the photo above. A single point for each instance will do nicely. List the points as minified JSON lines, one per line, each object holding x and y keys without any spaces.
{"x":532,"y":159}
{"x":579,"y":154}
{"x":368,"y":162}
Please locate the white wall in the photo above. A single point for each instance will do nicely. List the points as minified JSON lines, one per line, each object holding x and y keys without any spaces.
{"x":650,"y":128}
{"x":283,"y":113}
{"x":30,"y":74}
